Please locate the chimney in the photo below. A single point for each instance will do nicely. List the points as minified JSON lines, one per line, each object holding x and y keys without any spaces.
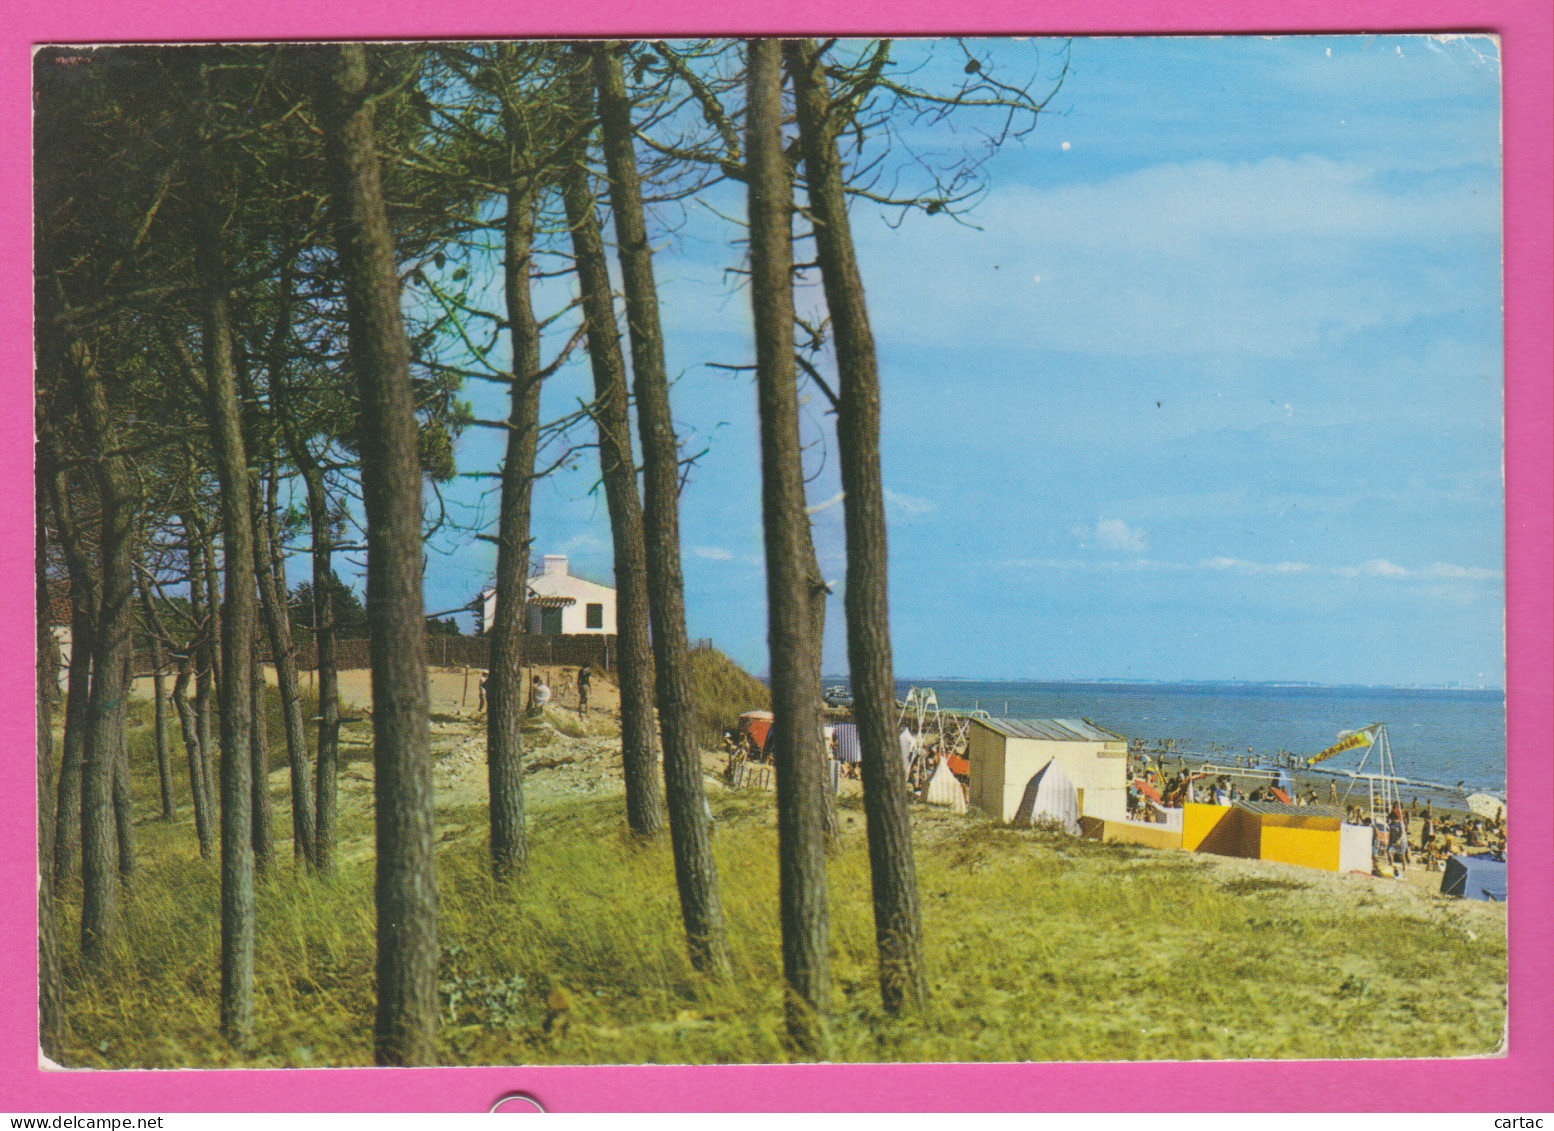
{"x":556,"y":563}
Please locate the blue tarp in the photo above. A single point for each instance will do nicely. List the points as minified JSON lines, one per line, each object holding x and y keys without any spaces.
{"x":1475,"y":877}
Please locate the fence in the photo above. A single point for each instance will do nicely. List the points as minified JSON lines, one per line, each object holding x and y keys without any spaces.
{"x":595,"y":649}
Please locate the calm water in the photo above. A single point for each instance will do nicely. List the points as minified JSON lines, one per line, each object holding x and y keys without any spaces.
{"x":1440,"y":736}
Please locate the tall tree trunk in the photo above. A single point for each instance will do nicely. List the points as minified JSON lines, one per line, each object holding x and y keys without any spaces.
{"x":78,"y":690}
{"x":50,"y":982}
{"x":202,"y":608}
{"x":110,"y":659}
{"x":406,"y":1024}
{"x":203,"y":752}
{"x":270,"y":572}
{"x":189,"y":725}
{"x":327,"y":769}
{"x":123,"y":807}
{"x":218,"y":650}
{"x":696,"y":872}
{"x":504,"y":692}
{"x":897,"y":920}
{"x":164,"y":761}
{"x":791,"y":578}
{"x":263,"y":815}
{"x":236,"y":672}
{"x":321,"y":531}
{"x":78,"y":687}
{"x":618,"y":470}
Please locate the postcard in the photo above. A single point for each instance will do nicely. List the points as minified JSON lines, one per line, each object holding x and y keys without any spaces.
{"x":730,"y":565}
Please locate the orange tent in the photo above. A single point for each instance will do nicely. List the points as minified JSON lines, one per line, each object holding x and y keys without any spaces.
{"x":756,"y":724}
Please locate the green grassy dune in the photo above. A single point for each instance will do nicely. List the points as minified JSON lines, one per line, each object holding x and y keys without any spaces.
{"x":1039,"y":947}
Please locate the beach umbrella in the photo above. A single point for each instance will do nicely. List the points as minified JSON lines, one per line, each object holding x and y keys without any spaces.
{"x":1485,"y":805}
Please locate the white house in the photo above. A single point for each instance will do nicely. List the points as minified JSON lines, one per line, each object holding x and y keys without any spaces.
{"x":560,"y":604}
{"x":1006,"y":753}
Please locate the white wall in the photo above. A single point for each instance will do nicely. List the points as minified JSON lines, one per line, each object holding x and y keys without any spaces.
{"x":1354,"y":848}
{"x":1001,"y":767}
{"x":558,"y":581}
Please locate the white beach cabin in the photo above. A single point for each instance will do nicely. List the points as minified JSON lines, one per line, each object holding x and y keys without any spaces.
{"x":1006,"y":753}
{"x":560,"y":604}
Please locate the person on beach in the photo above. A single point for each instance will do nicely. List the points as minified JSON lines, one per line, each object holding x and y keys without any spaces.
{"x":735,"y":749}
{"x":1397,"y":835}
{"x":584,"y":679}
{"x":539,"y":696}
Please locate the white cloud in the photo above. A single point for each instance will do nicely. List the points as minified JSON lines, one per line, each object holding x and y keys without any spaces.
{"x":712,"y":553}
{"x":1375,"y":567}
{"x":910,"y":504}
{"x":1114,"y":534}
{"x":1380,"y":567}
{"x":1131,"y":565}
{"x":1232,"y":564}
{"x":1461,"y":573}
{"x":1433,"y":580}
{"x":1261,"y":259}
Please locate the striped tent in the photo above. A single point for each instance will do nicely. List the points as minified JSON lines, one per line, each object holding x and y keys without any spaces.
{"x":1049,"y":799}
{"x":943,"y":788}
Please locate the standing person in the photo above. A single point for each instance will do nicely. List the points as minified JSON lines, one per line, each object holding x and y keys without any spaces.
{"x":1397,"y":835}
{"x":584,"y":678}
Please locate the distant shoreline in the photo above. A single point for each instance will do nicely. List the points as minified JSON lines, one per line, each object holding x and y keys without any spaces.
{"x":1272,"y":684}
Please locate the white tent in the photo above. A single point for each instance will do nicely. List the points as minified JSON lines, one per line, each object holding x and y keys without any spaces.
{"x":944,"y":788}
{"x":1049,"y":799}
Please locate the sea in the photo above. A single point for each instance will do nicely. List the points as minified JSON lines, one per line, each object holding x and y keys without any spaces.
{"x":1436,"y":735}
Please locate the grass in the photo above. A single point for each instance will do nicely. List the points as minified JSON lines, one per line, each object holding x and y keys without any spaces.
{"x":1040,"y":948}
{"x":721,"y":691}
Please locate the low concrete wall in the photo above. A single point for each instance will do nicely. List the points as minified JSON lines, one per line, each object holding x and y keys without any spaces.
{"x":1307,"y":846}
{"x":1311,"y":842}
{"x":1220,"y":829}
{"x":1129,"y":832}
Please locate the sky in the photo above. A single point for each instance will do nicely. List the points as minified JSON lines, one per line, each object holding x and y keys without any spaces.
{"x":1208,"y":386}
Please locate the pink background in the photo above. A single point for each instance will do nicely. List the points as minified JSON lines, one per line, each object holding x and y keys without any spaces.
{"x":1518,"y":1082}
